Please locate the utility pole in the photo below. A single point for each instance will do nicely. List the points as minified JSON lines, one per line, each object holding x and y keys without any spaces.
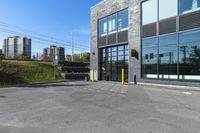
{"x":183,"y":49}
{"x":72,"y":44}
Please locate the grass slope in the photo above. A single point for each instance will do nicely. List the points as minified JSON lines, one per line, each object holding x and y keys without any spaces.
{"x":15,"y":72}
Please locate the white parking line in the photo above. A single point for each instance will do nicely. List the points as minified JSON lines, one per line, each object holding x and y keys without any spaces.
{"x":187,"y":93}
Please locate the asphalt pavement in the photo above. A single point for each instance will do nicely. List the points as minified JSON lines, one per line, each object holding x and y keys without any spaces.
{"x":99,"y":107}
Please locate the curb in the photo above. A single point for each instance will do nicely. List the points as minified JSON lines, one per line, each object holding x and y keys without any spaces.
{"x":37,"y":83}
{"x":174,"y":87}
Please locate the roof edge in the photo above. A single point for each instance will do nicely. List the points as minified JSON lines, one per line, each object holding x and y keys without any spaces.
{"x":98,"y":4}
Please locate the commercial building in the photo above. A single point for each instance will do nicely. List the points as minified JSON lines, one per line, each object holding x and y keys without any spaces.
{"x":17,"y":47}
{"x":156,"y":41}
{"x":55,"y":53}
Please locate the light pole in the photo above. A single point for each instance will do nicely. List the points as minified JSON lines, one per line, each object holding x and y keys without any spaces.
{"x":72,"y":45}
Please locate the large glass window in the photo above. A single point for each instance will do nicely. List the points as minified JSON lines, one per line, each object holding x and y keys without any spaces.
{"x":173,"y":56}
{"x":103,"y":27}
{"x":149,"y":11}
{"x":150,"y":42}
{"x":149,"y":62}
{"x":103,"y":63}
{"x":189,"y":56}
{"x":112,"y":24}
{"x":122,"y":20}
{"x":186,"y":6}
{"x":168,"y":40}
{"x":189,"y":36}
{"x":167,"y":8}
{"x":150,"y":58}
{"x":168,"y":56}
{"x":116,"y":60}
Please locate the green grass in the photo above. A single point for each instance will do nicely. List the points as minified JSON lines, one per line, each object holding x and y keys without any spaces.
{"x":16,"y":72}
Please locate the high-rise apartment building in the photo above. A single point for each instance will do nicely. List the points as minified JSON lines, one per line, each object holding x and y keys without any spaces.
{"x":16,"y":47}
{"x":54,"y":53}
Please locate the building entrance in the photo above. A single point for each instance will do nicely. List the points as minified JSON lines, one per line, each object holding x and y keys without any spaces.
{"x":112,"y":60}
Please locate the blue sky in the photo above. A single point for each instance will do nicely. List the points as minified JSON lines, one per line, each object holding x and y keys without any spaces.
{"x":55,"y":18}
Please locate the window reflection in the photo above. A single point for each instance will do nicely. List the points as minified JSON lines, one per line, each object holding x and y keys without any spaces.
{"x":149,"y":62}
{"x":150,"y":42}
{"x":189,"y":62}
{"x":189,"y":55}
{"x":189,"y":36}
{"x":168,"y":62}
{"x":172,"y":56}
{"x":112,"y":23}
{"x":167,"y":8}
{"x":169,"y":39}
{"x":149,"y":57}
{"x":123,"y":20}
{"x":149,"y":11}
{"x":103,"y":27}
{"x":187,"y":6}
{"x":112,"y":28}
{"x":116,"y":60}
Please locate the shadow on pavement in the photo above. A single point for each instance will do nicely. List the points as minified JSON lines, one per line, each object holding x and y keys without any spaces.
{"x":54,"y":85}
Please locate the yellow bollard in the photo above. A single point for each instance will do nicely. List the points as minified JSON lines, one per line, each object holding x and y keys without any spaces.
{"x":122,"y":76}
{"x":92,"y":74}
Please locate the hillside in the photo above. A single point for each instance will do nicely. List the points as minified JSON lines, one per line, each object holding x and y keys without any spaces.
{"x":17,"y":72}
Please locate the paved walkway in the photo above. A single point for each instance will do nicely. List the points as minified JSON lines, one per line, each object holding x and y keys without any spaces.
{"x":100,"y":107}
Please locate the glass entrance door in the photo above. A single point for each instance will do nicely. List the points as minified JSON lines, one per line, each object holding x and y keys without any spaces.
{"x":112,"y":60}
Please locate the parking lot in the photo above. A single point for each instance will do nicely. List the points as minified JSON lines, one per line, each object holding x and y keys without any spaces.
{"x":99,"y":107}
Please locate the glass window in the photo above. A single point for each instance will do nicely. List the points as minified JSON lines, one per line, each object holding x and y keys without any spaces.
{"x":189,"y":36}
{"x":187,"y":6}
{"x":126,"y":47}
{"x":126,"y":52}
{"x":126,"y":58}
{"x":112,"y":24}
{"x":103,"y":59}
{"x":112,"y":64}
{"x":168,"y":56}
{"x":122,"y":20}
{"x":149,"y":11}
{"x":149,"y":62}
{"x":114,"y":58}
{"x":189,"y":61}
{"x":104,"y":50}
{"x":167,"y":8}
{"x":109,"y":54}
{"x":120,"y":53}
{"x":109,"y":50}
{"x":120,"y":48}
{"x":109,"y":59}
{"x":120,"y":58}
{"x":103,"y":27}
{"x":114,"y":73}
{"x":150,"y":42}
{"x":114,"y":53}
{"x":167,"y":40}
{"x":114,"y":48}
